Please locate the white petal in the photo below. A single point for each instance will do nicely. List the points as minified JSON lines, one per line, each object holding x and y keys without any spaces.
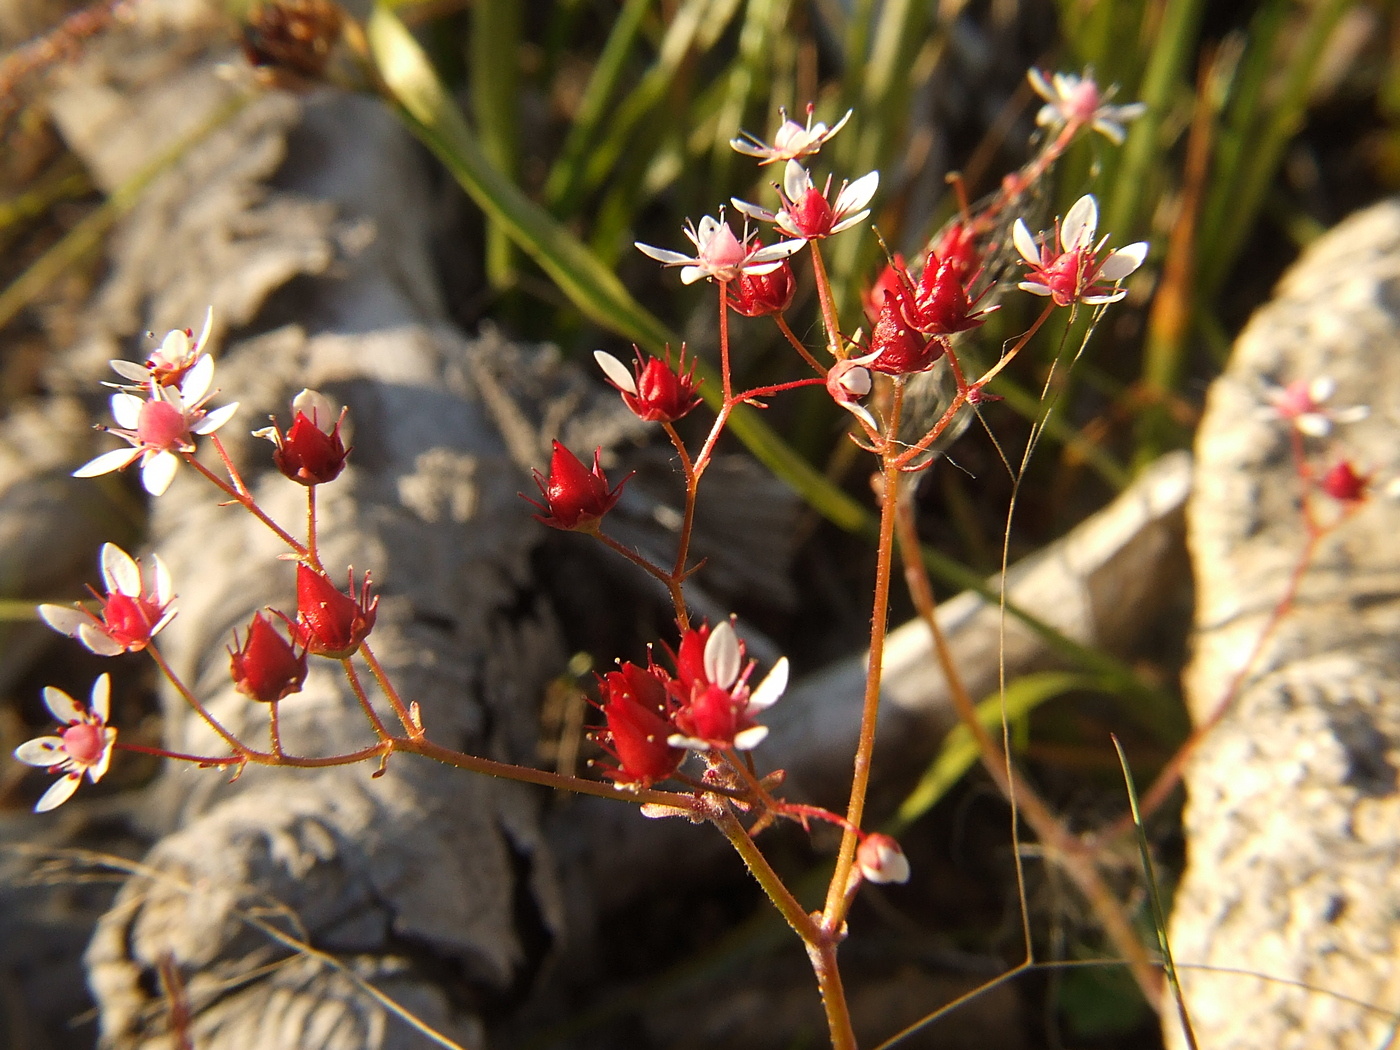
{"x":100,"y":703}
{"x":204,"y":332}
{"x":689,"y":742}
{"x":316,"y":407}
{"x":63,"y":707}
{"x":131,"y":370}
{"x":99,"y":641}
{"x":174,"y":348}
{"x":753,"y":211}
{"x":771,"y":688}
{"x":120,"y":572}
{"x":748,"y":739}
{"x":616,"y":371}
{"x":106,"y":463}
{"x":1354,"y":414}
{"x":1313,"y":424}
{"x":662,"y":255}
{"x":781,"y":250}
{"x":63,"y":618}
{"x":60,"y":793}
{"x":846,"y":224}
{"x":196,"y":382}
{"x":43,"y":752}
{"x":1123,"y":262}
{"x":857,"y":195}
{"x":1105,"y":299}
{"x":126,"y":410}
{"x":691,"y":274}
{"x":828,"y":132}
{"x":722,"y":656}
{"x":748,"y":148}
{"x":98,"y":769}
{"x":1025,"y":243}
{"x":709,"y":225}
{"x":1082,"y":219}
{"x":796,"y":180}
{"x":158,"y":471}
{"x":215,"y":419}
{"x":1041,"y":85}
{"x":1321,"y":389}
{"x":1033,"y":288}
{"x":1110,"y":130}
{"x":758,"y":269}
{"x":161,"y":588}
{"x":862,"y":412}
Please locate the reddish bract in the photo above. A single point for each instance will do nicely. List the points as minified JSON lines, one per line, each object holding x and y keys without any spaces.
{"x":759,"y":295}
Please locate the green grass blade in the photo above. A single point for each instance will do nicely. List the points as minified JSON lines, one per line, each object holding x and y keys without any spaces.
{"x":494,"y":71}
{"x":1154,"y":894}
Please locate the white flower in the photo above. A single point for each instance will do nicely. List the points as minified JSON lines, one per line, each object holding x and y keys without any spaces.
{"x":1303,"y":404}
{"x":719,"y":255}
{"x":791,"y":141}
{"x":161,"y":427}
{"x":132,"y":613}
{"x":169,"y":363}
{"x":84,"y":743}
{"x":1065,"y":264}
{"x":807,"y":213}
{"x":1075,"y":101}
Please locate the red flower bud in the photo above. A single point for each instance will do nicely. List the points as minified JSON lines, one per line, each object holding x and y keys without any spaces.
{"x":267,"y":667}
{"x":886,"y":283}
{"x":941,"y":306}
{"x":897,"y":349}
{"x":879,"y":859}
{"x":957,"y":246}
{"x":762,"y":294}
{"x":330,"y":623}
{"x":574,"y":496}
{"x":654,"y":391}
{"x":1344,"y":484}
{"x":634,"y":702}
{"x":311,"y":452}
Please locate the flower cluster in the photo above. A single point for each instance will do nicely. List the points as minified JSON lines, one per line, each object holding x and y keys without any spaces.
{"x":654,"y":716}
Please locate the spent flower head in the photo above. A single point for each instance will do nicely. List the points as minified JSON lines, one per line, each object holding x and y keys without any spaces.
{"x":792,"y":141}
{"x":1073,"y":101}
{"x":161,"y":427}
{"x":131,"y":613}
{"x":1065,"y":264}
{"x":719,"y":255}
{"x":809,"y":213}
{"x":83,"y":744}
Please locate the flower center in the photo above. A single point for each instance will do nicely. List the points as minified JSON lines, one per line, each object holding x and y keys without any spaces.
{"x":84,"y":743}
{"x":161,"y":425}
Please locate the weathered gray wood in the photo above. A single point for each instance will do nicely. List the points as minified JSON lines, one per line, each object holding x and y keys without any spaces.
{"x":1293,"y":813}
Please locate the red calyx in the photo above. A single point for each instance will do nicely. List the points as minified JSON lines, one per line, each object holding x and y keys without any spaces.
{"x":634,"y":702}
{"x":759,"y":295}
{"x":574,"y":496}
{"x":329,"y":622}
{"x":897,"y":348}
{"x":309,"y":455}
{"x":811,"y":216}
{"x":267,"y":667}
{"x":1344,"y":484}
{"x":663,"y":395}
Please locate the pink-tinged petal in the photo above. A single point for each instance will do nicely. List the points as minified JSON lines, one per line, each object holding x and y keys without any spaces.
{"x":62,"y":706}
{"x":120,"y":572}
{"x":98,"y":769}
{"x":126,"y":410}
{"x":99,"y":641}
{"x":858,"y":193}
{"x":44,"y":751}
{"x":661,"y":255}
{"x":1025,"y":243}
{"x":100,"y":702}
{"x":107,"y":462}
{"x":197,"y":380}
{"x":1123,"y":262}
{"x":158,"y":471}
{"x":64,"y":618}
{"x":616,"y":371}
{"x":722,"y":656}
{"x":750,"y":738}
{"x":162,"y":589}
{"x":131,"y":371}
{"x":771,"y":688}
{"x":215,"y":419}
{"x":1033,"y":288}
{"x":1082,"y":219}
{"x":61,"y":791}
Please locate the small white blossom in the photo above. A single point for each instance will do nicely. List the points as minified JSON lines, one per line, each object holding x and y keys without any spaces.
{"x":169,"y":363}
{"x":719,"y":255}
{"x":809,"y":213}
{"x":1065,"y":264}
{"x":1075,"y":101}
{"x":791,"y":141}
{"x":84,"y":743}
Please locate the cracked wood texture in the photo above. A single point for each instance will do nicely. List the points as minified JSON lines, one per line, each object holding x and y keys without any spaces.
{"x":1286,"y":916}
